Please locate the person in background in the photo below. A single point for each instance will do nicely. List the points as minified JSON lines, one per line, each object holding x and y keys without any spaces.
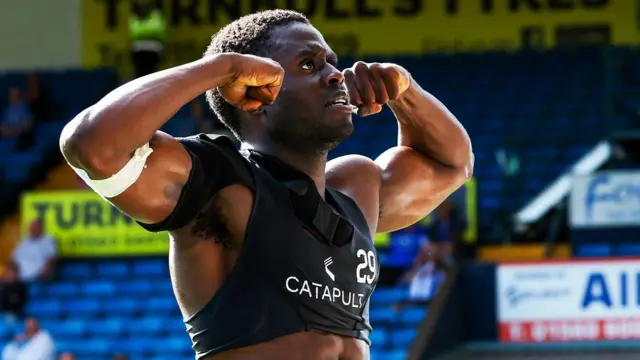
{"x":38,"y":99}
{"x":67,"y":356}
{"x":446,"y":230}
{"x":34,"y":343}
{"x":147,"y":29}
{"x":36,"y":255}
{"x":13,"y":293}
{"x":17,"y":120}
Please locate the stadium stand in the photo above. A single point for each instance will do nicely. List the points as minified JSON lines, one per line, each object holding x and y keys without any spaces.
{"x":96,"y":305}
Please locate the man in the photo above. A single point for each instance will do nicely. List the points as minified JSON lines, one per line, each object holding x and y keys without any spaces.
{"x":17,"y":120}
{"x":148,"y":31}
{"x":271,"y":248}
{"x":36,"y":255}
{"x":13,"y":293}
{"x":34,"y":343}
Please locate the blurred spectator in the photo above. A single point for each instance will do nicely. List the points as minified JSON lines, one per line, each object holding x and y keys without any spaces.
{"x":447,"y":229}
{"x":38,"y":98}
{"x":33,"y":344}
{"x":147,"y":29}
{"x":425,"y":274}
{"x":17,"y":120}
{"x":37,"y":254}
{"x":67,"y":356}
{"x":13,"y":293}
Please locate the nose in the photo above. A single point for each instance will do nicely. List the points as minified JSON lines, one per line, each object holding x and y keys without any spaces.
{"x":334,"y":77}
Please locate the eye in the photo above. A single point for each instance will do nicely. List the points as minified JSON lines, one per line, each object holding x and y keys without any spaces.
{"x":308,"y":65}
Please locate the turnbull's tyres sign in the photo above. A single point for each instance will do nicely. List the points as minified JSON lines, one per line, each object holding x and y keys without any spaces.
{"x":605,"y":199}
{"x":569,"y":301}
{"x":86,"y":225}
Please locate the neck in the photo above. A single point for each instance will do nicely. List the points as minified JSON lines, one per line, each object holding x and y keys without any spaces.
{"x":311,"y":163}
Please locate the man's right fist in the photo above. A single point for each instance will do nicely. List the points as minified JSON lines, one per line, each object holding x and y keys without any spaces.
{"x":255,"y":81}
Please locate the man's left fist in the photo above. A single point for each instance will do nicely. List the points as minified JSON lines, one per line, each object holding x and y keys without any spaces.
{"x":372,"y":85}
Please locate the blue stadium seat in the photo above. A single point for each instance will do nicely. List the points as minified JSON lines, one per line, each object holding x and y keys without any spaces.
{"x":61,"y":289}
{"x":413,"y":315}
{"x":139,"y":286}
{"x":116,"y":306}
{"x":160,"y":304}
{"x":76,"y":271}
{"x":150,"y":268}
{"x":628,"y":249}
{"x":109,"y":328}
{"x":162,"y":286}
{"x":378,"y":337}
{"x":382,"y":315}
{"x":389,"y":355}
{"x":88,"y":347}
{"x":113,"y":269}
{"x":85,"y":307}
{"x":65,"y":329}
{"x":402,"y":338}
{"x":99,"y":288}
{"x":44,"y":309}
{"x":593,"y":250}
{"x":384,"y":296}
{"x":149,"y":325}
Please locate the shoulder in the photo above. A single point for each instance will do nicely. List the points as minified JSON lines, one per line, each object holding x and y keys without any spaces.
{"x":359,"y":178}
{"x":352,"y":170}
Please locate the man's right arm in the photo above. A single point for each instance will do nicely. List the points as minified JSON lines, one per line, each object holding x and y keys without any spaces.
{"x":102,"y":139}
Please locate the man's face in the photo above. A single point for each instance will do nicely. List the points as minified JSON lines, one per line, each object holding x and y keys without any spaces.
{"x":302,"y":116}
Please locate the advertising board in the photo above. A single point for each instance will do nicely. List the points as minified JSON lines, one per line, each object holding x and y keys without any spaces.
{"x":581,"y":300}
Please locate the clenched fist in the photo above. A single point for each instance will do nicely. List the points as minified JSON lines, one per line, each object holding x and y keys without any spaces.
{"x":255,"y":81}
{"x":372,"y":85}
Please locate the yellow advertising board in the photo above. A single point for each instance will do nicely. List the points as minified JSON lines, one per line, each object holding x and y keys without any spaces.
{"x":86,"y":225}
{"x":376,"y":27}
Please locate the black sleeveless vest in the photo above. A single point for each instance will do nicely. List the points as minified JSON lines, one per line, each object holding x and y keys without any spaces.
{"x":306,"y":264}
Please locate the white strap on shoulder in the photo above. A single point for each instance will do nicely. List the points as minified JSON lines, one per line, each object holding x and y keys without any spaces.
{"x":123,"y":179}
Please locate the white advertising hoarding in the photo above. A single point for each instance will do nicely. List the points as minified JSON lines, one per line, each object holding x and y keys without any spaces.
{"x":572,"y":300}
{"x":605,"y":199}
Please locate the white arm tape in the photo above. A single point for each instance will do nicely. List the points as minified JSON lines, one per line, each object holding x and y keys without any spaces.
{"x":123,"y":179}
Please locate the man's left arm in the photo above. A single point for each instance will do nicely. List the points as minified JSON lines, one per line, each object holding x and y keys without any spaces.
{"x":433,"y":157}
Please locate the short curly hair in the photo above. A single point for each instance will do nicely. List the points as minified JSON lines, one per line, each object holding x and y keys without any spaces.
{"x":246,"y":35}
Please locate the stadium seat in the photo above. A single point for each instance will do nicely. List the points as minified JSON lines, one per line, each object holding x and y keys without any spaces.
{"x":402,"y":338}
{"x":66,"y":328}
{"x":628,"y":249}
{"x":138,"y":286}
{"x":413,"y":316}
{"x":378,"y":337}
{"x":150,"y":268}
{"x":384,"y":296}
{"x":86,"y":307}
{"x":382,"y":315}
{"x":113,"y":269}
{"x":109,"y":328}
{"x":98,"y":288}
{"x":62,"y":289}
{"x":160,"y":304}
{"x":74,"y":270}
{"x":593,"y":250}
{"x":389,"y":355}
{"x":118,"y":306}
{"x":45,"y":309}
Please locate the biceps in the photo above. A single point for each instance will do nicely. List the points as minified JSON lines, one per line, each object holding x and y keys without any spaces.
{"x":154,"y":195}
{"x":412,"y":186}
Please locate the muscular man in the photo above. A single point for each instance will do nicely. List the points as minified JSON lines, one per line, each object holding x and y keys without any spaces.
{"x":271,"y":246}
